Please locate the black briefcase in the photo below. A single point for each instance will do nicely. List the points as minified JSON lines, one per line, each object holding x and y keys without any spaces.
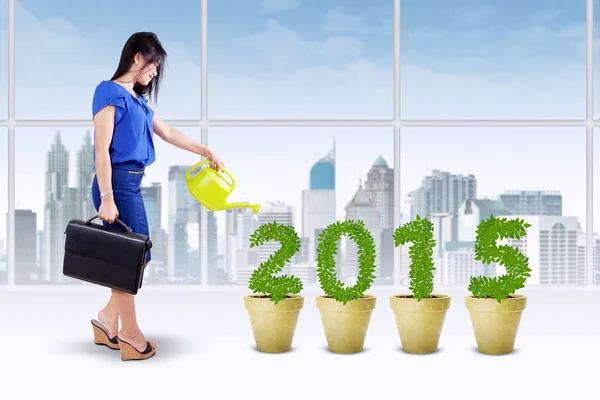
{"x":105,"y":256}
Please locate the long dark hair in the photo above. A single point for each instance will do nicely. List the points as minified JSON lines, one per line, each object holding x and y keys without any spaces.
{"x":149,"y":46}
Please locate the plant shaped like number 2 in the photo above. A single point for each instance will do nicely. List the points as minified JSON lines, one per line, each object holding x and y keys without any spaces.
{"x":487,"y":251}
{"x":263,"y":279}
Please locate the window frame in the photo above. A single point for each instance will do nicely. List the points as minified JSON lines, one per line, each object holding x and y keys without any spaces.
{"x":396,"y":123}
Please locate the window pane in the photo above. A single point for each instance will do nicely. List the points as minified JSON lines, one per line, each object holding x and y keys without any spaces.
{"x":536,"y":174}
{"x":3,"y":204}
{"x":292,"y":59}
{"x":308,"y":177}
{"x":514,"y":59}
{"x":53,"y":180}
{"x":595,"y":59}
{"x":3,"y":59}
{"x":596,"y":195}
{"x":63,"y":52}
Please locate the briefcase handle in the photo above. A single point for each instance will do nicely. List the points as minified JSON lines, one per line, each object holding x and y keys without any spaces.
{"x":127,"y":228}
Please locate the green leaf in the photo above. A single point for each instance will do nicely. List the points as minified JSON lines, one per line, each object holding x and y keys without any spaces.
{"x":326,"y":251}
{"x":488,"y":251}
{"x":263,"y":279}
{"x":420,"y":233}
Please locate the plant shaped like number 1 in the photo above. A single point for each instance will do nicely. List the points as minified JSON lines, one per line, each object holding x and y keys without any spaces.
{"x":487,"y":251}
{"x":420,"y":233}
{"x":263,"y":279}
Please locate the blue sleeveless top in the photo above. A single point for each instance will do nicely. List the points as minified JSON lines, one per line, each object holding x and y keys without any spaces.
{"x":132,"y":140}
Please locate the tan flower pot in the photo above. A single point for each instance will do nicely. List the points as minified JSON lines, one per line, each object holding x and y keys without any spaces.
{"x":496,"y":324}
{"x":273,"y":324}
{"x":346,"y":325}
{"x":420,"y":322}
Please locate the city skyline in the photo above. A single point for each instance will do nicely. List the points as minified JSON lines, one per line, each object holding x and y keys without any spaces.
{"x":254,"y":184}
{"x":262,"y":179}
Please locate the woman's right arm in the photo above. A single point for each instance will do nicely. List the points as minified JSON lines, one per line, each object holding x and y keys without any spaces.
{"x":104,"y":123}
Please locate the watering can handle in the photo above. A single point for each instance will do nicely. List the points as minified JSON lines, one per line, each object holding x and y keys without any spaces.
{"x":188,"y":173}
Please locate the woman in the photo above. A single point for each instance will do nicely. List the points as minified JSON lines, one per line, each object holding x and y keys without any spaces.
{"x":124,"y":126}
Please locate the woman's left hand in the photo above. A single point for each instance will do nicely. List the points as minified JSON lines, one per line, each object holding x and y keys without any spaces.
{"x":215,"y":161}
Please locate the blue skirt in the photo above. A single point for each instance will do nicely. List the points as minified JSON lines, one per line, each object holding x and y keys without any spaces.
{"x":126,"y":185}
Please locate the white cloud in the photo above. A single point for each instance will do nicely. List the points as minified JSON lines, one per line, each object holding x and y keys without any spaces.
{"x":575,"y":31}
{"x":272,"y":6}
{"x":473,"y":15}
{"x":542,"y":17}
{"x":51,"y":36}
{"x":57,"y":80}
{"x":424,"y":34}
{"x":535,"y":33}
{"x":555,"y":94}
{"x":358,"y":90}
{"x":338,"y":20}
{"x":329,"y":78}
{"x":282,"y":47}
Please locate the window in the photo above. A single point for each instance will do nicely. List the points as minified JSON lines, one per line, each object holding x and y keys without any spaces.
{"x":3,"y":205}
{"x":537,"y":174}
{"x":62,"y":52}
{"x":596,"y":220}
{"x":300,"y":60}
{"x":596,"y":62}
{"x":309,"y":178}
{"x":321,"y":112}
{"x":481,"y":60}
{"x":3,"y":59}
{"x":53,"y":177}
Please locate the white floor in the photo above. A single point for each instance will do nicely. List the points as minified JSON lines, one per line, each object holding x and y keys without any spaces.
{"x":206,"y":349}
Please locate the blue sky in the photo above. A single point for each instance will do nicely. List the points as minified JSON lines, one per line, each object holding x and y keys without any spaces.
{"x":323,"y":59}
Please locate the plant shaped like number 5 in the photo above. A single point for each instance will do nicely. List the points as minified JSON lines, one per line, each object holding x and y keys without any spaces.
{"x":263,"y":279}
{"x":487,"y":251}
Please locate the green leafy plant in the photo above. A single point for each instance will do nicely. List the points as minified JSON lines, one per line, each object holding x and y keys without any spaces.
{"x":263,"y":280}
{"x":420,"y":233}
{"x":326,"y":251}
{"x":487,"y":251}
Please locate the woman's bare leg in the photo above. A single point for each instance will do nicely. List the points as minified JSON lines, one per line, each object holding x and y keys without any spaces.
{"x":109,"y":316}
{"x":130,"y":331}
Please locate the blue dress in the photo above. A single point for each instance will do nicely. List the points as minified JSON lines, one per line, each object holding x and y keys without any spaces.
{"x":131,"y":151}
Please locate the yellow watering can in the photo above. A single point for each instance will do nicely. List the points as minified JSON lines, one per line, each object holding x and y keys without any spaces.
{"x":211,"y":189}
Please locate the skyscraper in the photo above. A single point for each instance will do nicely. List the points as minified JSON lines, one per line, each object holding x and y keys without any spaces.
{"x":282,"y":214}
{"x":318,"y":202}
{"x":379,"y":186}
{"x":25,"y":245}
{"x":184,"y":228}
{"x":55,"y":220}
{"x":152,"y":196}
{"x":533,"y":202}
{"x":442,"y":192}
{"x":85,"y":175}
{"x":361,"y":208}
{"x":240,"y":223}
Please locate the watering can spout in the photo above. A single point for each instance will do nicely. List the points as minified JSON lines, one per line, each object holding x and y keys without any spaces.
{"x":255,"y":207}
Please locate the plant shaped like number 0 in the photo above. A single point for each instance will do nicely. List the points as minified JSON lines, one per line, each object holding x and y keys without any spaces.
{"x":487,"y":251}
{"x":332,"y":286}
{"x":420,"y":233}
{"x":263,"y":279}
